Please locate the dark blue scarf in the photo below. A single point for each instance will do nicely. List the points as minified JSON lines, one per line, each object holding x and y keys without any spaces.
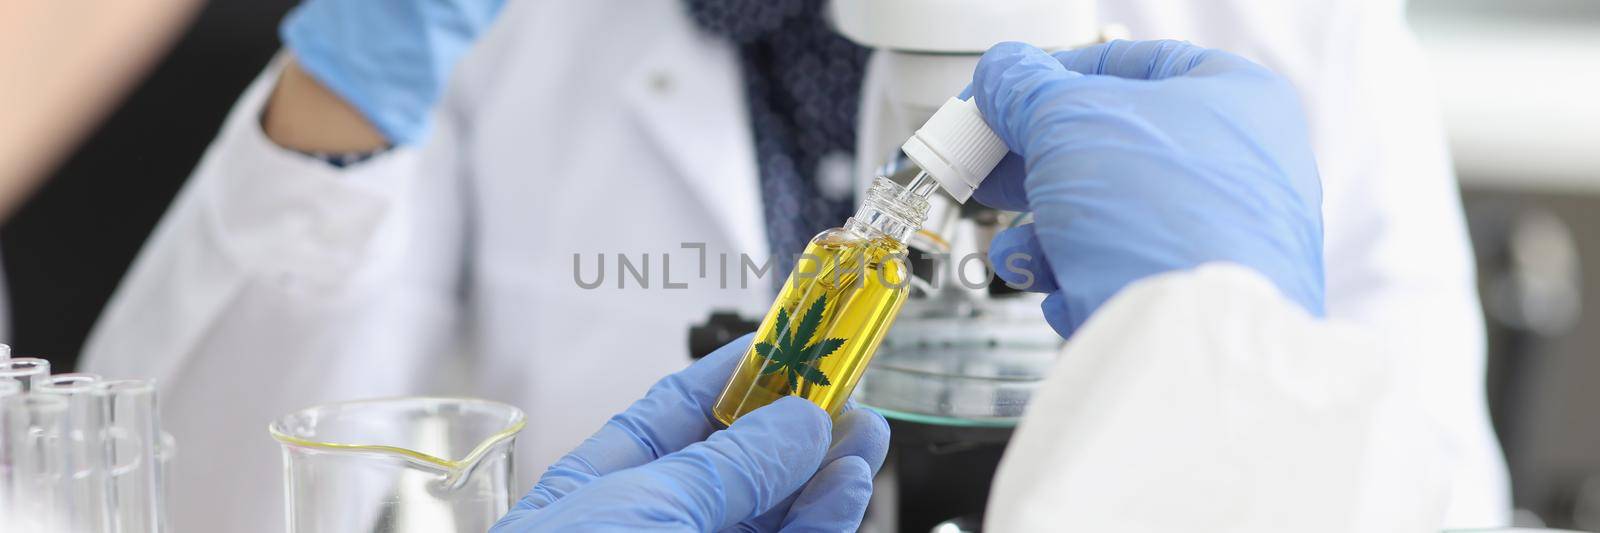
{"x":803,"y":85}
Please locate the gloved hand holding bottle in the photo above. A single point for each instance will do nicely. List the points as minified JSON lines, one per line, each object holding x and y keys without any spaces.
{"x":388,"y":61}
{"x":1138,"y":158}
{"x":662,"y":464}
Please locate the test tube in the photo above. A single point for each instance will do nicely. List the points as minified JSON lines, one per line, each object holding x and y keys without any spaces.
{"x":82,"y":491}
{"x":136,"y":501}
{"x":25,"y":370}
{"x":31,"y":429}
{"x":9,"y":388}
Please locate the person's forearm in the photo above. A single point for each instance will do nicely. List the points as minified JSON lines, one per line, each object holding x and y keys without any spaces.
{"x":305,"y":115}
{"x":62,"y":66}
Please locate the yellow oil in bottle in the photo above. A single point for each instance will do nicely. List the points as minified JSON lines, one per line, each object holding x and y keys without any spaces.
{"x":850,"y":282}
{"x":827,"y":321}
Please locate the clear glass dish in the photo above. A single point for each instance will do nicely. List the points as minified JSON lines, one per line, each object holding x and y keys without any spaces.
{"x":978,"y":367}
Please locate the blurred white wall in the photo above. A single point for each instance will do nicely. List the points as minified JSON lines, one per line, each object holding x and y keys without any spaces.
{"x":1519,"y":85}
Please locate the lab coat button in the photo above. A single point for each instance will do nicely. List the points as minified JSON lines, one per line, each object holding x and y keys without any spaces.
{"x":661,"y":83}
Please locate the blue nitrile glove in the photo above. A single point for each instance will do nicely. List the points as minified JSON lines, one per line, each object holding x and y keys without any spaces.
{"x":662,"y":464}
{"x":389,"y":59}
{"x":1138,"y":158}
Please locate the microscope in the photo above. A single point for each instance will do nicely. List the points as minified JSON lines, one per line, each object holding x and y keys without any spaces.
{"x":957,"y":369}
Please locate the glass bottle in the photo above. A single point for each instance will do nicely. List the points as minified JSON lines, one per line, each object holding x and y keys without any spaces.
{"x":849,"y":283}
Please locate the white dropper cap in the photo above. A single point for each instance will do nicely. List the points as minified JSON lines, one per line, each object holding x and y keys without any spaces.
{"x":956,"y":147}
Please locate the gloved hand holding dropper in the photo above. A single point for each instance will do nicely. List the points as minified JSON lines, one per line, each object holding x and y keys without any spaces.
{"x":1138,"y":158}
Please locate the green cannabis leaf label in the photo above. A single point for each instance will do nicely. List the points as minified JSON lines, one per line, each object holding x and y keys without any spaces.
{"x":791,"y":353}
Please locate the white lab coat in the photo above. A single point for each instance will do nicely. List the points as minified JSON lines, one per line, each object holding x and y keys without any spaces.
{"x":1206,"y":401}
{"x":605,"y":127}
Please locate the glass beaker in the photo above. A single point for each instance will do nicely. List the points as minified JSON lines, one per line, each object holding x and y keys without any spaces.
{"x":398,"y":465}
